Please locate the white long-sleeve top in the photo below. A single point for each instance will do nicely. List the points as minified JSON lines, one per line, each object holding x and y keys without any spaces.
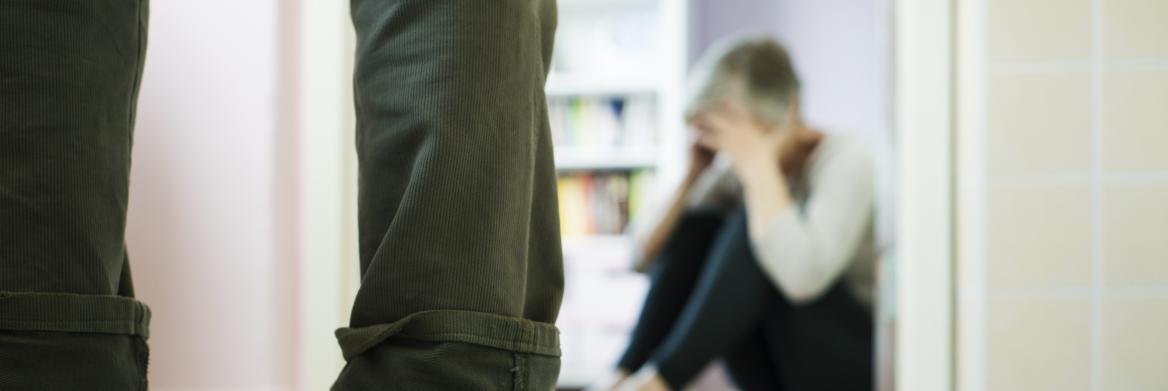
{"x":829,"y":234}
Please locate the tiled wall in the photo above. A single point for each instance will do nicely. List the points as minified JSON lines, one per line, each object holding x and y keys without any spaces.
{"x":1063,"y":195}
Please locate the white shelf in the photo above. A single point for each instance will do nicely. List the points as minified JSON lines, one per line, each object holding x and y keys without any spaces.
{"x":603,"y":295}
{"x":601,"y":303}
{"x":578,"y":159}
{"x":605,"y":241}
{"x":603,"y":5}
{"x":606,"y":254}
{"x":559,"y":85}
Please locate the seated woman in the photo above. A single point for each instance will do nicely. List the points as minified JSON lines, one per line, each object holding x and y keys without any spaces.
{"x":765,"y":255}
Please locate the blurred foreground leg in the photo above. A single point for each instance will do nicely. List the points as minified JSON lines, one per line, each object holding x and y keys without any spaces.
{"x":69,"y":75}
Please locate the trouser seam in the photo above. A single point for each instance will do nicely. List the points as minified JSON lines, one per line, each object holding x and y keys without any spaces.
{"x":74,"y":313}
{"x":475,"y":339}
{"x":496,"y":331}
{"x":520,"y":372}
{"x":143,"y":353}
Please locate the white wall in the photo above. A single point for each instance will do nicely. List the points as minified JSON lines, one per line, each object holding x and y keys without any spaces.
{"x":206,"y":240}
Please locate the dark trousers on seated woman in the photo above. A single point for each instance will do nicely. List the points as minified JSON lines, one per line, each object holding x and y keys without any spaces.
{"x":709,"y":299}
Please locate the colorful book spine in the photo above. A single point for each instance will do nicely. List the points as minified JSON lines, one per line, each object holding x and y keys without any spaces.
{"x":591,"y":122}
{"x":601,"y":203}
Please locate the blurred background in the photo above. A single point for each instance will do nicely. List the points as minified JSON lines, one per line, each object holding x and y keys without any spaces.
{"x":1021,"y":146}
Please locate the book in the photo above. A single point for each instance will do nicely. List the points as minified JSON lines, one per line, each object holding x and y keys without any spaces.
{"x":601,"y":202}
{"x":604,"y":123}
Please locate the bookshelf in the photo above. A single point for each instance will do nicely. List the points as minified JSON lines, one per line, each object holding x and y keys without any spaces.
{"x":614,"y":101}
{"x":583,"y":159}
{"x":616,"y":85}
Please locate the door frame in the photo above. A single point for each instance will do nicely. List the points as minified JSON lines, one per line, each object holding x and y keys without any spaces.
{"x":319,"y":63}
{"x":925,"y":258}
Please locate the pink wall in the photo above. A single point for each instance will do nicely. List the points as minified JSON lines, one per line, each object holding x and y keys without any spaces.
{"x":207,"y":234}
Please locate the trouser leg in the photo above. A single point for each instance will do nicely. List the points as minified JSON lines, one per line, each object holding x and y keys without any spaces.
{"x":458,"y":225}
{"x":825,"y":344}
{"x":751,"y":364}
{"x":729,"y":302}
{"x":672,"y":277}
{"x":69,"y":75}
{"x":822,"y":345}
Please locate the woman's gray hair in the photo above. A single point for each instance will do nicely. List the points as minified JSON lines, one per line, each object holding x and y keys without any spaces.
{"x":756,"y":70}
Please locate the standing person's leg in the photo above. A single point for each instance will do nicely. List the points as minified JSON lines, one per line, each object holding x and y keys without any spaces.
{"x":672,"y":278}
{"x":69,"y":75}
{"x":460,"y":251}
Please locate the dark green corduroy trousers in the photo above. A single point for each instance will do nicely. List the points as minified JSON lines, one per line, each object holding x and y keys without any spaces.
{"x":69,"y":75}
{"x":459,"y":237}
{"x":460,"y":253}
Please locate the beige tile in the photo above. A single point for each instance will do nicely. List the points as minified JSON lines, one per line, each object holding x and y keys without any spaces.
{"x":1135,"y":29}
{"x":1134,"y":351}
{"x":1039,"y":123}
{"x":1038,"y":344}
{"x":1039,"y":30}
{"x":1135,"y":234}
{"x":1038,"y":235}
{"x":1135,"y":120}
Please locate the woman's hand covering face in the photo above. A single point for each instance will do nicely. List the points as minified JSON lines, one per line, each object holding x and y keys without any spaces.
{"x":731,"y":129}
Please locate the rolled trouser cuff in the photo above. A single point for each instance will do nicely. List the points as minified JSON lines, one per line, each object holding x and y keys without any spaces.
{"x":496,"y":331}
{"x":76,"y":313}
